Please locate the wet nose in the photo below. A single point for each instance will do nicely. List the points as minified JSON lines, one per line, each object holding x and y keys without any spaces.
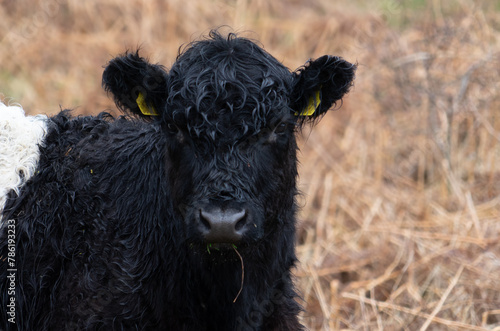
{"x":222,"y":226}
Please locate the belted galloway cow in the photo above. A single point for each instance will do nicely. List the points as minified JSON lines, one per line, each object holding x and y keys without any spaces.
{"x":181,"y":214}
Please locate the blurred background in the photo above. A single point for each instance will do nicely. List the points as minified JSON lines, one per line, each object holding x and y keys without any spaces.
{"x":400,"y":220}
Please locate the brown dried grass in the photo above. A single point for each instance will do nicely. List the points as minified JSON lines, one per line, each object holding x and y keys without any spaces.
{"x":400,"y":225}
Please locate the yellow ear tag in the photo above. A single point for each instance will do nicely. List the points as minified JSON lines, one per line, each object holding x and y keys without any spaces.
{"x":312,"y":105}
{"x":144,"y":107}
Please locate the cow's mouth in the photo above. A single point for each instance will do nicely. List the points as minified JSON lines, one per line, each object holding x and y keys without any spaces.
{"x":220,"y":247}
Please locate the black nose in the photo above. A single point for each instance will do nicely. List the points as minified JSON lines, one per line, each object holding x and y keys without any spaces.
{"x":222,"y":226}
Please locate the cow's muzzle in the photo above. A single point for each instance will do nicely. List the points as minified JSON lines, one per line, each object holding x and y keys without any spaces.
{"x":218,"y":225}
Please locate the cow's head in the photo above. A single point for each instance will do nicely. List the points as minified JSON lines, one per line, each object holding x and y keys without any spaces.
{"x":230,"y":112}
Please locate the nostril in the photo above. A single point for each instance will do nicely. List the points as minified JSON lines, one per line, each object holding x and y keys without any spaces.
{"x":241,"y":222}
{"x":205,"y":220}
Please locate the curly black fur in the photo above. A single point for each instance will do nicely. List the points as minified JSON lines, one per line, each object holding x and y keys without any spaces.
{"x":106,"y":232}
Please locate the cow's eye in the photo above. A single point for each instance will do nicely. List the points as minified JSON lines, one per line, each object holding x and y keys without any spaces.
{"x":281,"y":128}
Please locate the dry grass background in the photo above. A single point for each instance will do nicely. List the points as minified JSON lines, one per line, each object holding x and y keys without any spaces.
{"x":400,"y":226}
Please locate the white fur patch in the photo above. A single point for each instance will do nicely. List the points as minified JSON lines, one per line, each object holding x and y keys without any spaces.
{"x":20,"y":137}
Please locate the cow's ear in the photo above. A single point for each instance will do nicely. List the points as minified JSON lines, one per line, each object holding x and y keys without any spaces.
{"x":137,"y":86}
{"x":319,"y":84}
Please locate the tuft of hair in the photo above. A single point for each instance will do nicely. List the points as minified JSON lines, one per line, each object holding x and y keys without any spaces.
{"x":20,"y":139}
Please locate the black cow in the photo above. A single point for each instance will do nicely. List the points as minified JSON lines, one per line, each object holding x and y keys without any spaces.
{"x":180,"y":217}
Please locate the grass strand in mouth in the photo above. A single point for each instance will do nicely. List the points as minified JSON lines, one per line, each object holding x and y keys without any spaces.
{"x":242,"y":272}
